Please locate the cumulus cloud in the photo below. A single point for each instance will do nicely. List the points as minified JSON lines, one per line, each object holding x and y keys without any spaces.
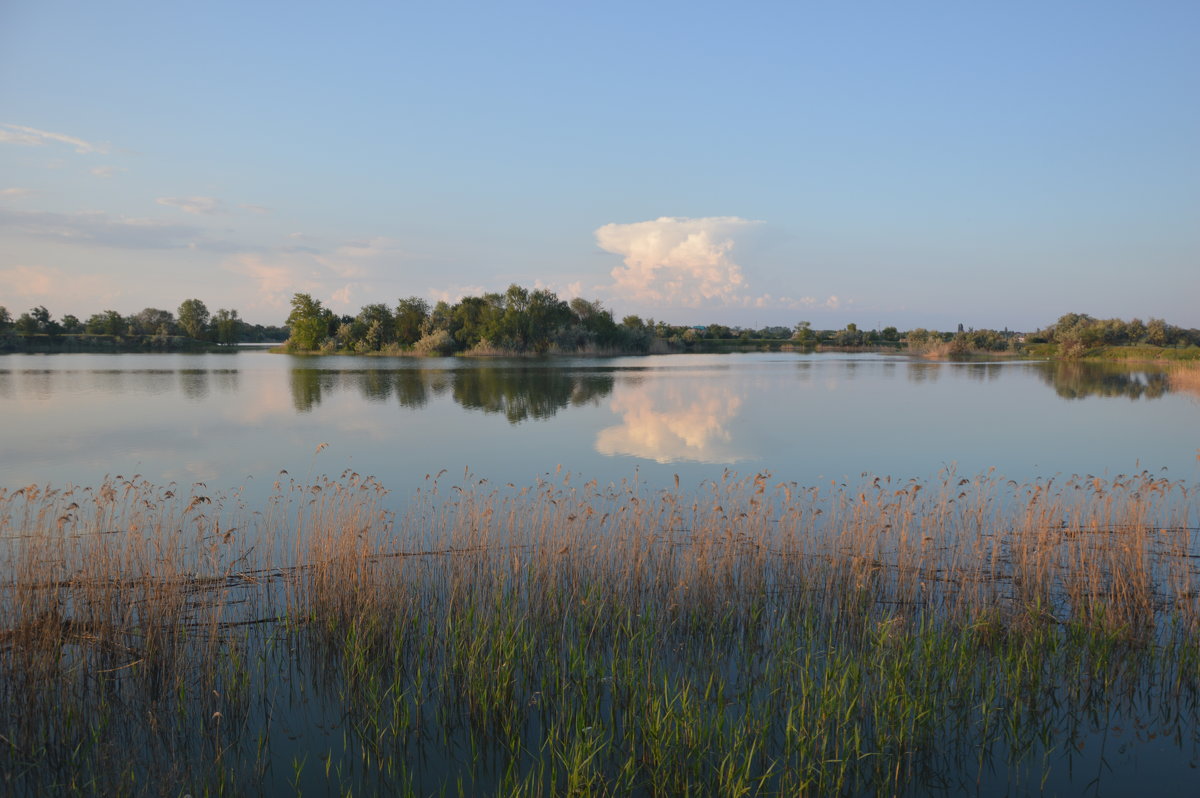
{"x":32,"y":137}
{"x":201,"y":206}
{"x":676,"y":260}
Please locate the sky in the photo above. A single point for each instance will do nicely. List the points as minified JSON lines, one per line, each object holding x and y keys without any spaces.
{"x":882,"y":163}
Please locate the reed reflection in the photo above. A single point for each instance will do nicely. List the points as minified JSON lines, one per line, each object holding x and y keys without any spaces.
{"x":680,"y":420}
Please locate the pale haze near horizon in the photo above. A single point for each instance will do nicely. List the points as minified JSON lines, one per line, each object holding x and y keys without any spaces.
{"x":883,"y":164}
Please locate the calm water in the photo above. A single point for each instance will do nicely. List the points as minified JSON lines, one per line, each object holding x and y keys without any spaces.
{"x":239,"y":418}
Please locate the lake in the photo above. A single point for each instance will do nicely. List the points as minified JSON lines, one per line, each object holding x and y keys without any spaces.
{"x":642,"y":632}
{"x":232,"y":419}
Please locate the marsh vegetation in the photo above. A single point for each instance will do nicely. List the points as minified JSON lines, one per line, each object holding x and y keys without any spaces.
{"x":746,"y":636}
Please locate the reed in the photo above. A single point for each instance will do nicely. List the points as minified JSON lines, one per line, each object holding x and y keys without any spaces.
{"x":1186,"y":379}
{"x":744,"y":637}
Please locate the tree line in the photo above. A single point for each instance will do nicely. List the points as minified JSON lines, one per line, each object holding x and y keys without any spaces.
{"x":521,"y":320}
{"x":191,"y":320}
{"x":1076,"y":332}
{"x":518,"y":320}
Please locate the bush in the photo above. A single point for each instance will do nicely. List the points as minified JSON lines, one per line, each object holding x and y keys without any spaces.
{"x":438,"y":342}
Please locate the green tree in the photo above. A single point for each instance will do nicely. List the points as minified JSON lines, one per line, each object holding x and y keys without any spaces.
{"x":152,"y":321}
{"x":308,"y":323}
{"x":227,"y":326}
{"x":411,"y":316}
{"x":38,"y":320}
{"x":804,"y":334}
{"x":26,"y":324}
{"x":108,"y":322}
{"x":851,"y":336}
{"x":6,"y":320}
{"x":70,"y":324}
{"x":193,"y":318}
{"x":1158,"y":332}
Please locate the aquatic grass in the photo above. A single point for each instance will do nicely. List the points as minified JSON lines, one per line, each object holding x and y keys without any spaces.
{"x":745,"y":637}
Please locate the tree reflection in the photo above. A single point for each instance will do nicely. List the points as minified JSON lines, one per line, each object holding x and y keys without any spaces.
{"x":307,"y":387}
{"x":522,"y":393}
{"x":1078,"y":380}
{"x":194,"y":383}
{"x":516,"y":393}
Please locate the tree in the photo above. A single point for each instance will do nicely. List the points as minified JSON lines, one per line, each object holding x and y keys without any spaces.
{"x":38,"y":320}
{"x":108,"y":322}
{"x":804,"y":334}
{"x":26,"y":324}
{"x":152,"y":321}
{"x":308,"y":323}
{"x":851,"y":336}
{"x":411,"y":315}
{"x":227,"y":326}
{"x":597,"y":321}
{"x":1158,"y":332}
{"x":193,"y":318}
{"x":5,"y":319}
{"x":70,"y":324}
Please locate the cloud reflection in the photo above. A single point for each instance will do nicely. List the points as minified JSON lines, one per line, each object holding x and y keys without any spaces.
{"x":678,"y":421}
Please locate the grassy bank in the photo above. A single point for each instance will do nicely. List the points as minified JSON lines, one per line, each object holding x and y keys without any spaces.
{"x":86,"y":342}
{"x":1146,"y":354}
{"x":743,"y":637}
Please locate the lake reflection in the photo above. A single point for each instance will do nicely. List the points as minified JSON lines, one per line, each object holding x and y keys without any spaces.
{"x":804,"y":417}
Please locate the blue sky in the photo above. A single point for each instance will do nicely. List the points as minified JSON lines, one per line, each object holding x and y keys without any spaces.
{"x":913,"y":164}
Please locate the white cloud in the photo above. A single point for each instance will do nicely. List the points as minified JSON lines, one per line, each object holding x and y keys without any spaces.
{"x":676,"y":260}
{"x":454,"y":293}
{"x":803,"y":303}
{"x":261,"y":210}
{"x":564,"y":291}
{"x":276,"y":277}
{"x":32,"y":137}
{"x":43,"y":283}
{"x":15,"y":192}
{"x":107,"y":171}
{"x":333,"y":277}
{"x":205,"y":206}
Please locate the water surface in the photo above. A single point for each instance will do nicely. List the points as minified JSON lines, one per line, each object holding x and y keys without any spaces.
{"x":227,"y":419}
